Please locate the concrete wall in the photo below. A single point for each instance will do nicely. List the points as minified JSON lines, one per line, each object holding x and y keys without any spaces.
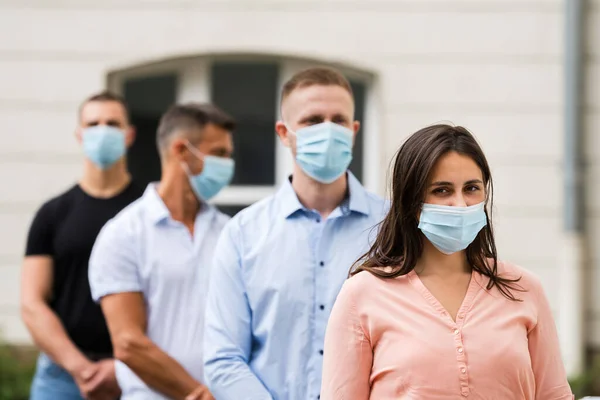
{"x":490,"y":65}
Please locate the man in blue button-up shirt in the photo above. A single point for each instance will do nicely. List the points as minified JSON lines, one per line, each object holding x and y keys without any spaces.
{"x":280,"y":263}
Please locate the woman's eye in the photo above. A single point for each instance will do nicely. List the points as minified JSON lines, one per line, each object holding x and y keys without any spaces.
{"x":472,"y":188}
{"x":440,"y":191}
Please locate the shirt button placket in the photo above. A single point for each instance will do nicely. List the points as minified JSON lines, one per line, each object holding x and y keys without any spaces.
{"x":319,"y":299}
{"x":461,"y":359}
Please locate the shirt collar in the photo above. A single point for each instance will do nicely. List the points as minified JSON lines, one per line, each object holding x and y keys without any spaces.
{"x":288,"y":199}
{"x":156,"y":208}
{"x":357,"y":200}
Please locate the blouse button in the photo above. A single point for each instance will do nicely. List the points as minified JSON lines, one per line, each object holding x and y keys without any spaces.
{"x":463,"y":370}
{"x":456,"y":331}
{"x":460,"y":349}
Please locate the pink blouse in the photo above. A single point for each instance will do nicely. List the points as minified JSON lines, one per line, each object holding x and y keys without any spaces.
{"x":391,"y":339}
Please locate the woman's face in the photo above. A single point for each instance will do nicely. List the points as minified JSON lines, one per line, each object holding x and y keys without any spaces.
{"x":456,"y":181}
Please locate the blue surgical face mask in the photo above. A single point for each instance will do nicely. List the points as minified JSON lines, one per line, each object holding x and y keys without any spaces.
{"x":452,"y":229}
{"x":103,"y":145}
{"x":324,"y":151}
{"x":215,"y":175}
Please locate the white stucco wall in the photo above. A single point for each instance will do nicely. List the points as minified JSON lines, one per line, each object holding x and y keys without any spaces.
{"x":490,"y":65}
{"x":592,"y":178}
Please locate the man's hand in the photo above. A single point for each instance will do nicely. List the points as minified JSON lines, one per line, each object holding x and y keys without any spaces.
{"x":98,"y":381}
{"x":200,"y":393}
{"x":82,"y":371}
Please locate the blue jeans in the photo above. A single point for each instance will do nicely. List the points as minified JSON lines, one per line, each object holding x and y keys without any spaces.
{"x":52,"y":382}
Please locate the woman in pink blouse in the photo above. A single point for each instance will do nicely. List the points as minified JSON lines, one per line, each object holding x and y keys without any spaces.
{"x":429,"y":312}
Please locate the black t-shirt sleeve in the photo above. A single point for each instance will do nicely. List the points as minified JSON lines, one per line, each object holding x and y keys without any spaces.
{"x":40,"y":236}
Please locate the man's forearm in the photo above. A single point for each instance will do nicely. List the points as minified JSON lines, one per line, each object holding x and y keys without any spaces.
{"x":50,"y":336}
{"x":156,"y":368}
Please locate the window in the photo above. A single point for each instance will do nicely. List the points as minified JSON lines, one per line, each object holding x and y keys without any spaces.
{"x":356,"y":166}
{"x":147,"y":99}
{"x":249,"y":90}
{"x":249,"y":93}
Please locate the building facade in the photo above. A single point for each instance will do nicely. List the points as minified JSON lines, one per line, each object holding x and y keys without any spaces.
{"x":493,"y":66}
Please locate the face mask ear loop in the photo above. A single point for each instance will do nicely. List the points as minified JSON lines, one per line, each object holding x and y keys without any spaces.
{"x":197,"y":153}
{"x":288,"y":128}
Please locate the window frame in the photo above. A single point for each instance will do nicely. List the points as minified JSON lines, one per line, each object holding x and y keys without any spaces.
{"x":194,"y":84}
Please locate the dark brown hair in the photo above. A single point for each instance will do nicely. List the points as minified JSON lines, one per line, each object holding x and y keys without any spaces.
{"x":399,"y":243}
{"x":315,"y":76}
{"x":188,"y":116}
{"x":106,"y":95}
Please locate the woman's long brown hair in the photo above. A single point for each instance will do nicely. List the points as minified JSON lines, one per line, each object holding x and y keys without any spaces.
{"x":399,"y":242}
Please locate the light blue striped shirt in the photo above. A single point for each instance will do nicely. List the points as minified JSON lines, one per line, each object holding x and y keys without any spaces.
{"x":144,"y":250}
{"x":277,"y":271}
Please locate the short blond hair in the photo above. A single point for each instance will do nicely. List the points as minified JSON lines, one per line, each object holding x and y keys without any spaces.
{"x":315,"y":76}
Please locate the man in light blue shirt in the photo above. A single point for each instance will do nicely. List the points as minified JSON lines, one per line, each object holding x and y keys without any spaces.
{"x":280,"y":263}
{"x":149,"y":267}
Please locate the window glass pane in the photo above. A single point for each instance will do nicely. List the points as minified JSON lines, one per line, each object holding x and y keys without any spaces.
{"x":248,"y":91}
{"x":231,"y":210}
{"x":360,"y":91}
{"x":147,"y":98}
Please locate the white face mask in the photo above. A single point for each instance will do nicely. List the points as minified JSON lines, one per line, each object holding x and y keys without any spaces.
{"x":103,"y":145}
{"x":452,"y":229}
{"x":216,"y":174}
{"x":324,"y":151}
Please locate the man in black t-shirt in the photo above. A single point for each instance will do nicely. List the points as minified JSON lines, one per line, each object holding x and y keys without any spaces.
{"x":69,"y":328}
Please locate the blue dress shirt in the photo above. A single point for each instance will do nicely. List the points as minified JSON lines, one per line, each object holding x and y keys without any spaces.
{"x":277,"y":270}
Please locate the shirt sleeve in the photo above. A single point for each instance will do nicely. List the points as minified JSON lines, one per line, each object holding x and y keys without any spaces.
{"x":544,"y":349}
{"x":40,"y":237}
{"x":113,"y":266}
{"x":228,"y":329}
{"x":348,"y":355}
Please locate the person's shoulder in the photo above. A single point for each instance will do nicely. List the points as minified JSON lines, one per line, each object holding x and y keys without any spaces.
{"x":254,"y":214}
{"x":378,"y":205}
{"x":134,"y":210}
{"x":221,"y":218}
{"x":374,"y":198}
{"x":363,"y":285}
{"x":60,"y":201}
{"x":67,"y":195}
{"x":126,"y":219}
{"x":527,"y":280}
{"x":360,"y":281}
